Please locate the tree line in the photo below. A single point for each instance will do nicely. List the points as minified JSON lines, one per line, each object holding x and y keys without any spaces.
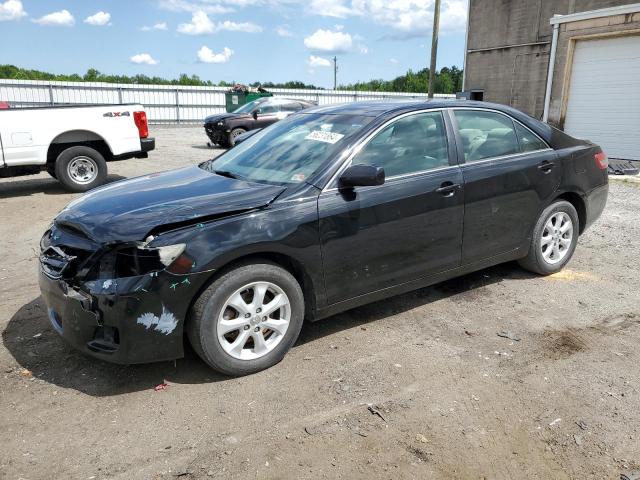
{"x":448,"y":80}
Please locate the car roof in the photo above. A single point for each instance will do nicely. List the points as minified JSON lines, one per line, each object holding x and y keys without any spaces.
{"x":375,"y":108}
{"x":385,"y":108}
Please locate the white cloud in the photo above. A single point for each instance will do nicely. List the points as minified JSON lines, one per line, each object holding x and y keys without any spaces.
{"x":329,"y":41}
{"x":11,"y":10}
{"x":201,"y":24}
{"x":195,"y":6}
{"x":247,"y":27}
{"x":143,"y":59}
{"x":409,"y":18}
{"x":63,"y":18}
{"x":394,"y":61}
{"x":284,"y":31}
{"x":314,"y":61}
{"x":157,"y":26}
{"x":333,"y":8}
{"x":99,"y":19}
{"x":206,"y":55}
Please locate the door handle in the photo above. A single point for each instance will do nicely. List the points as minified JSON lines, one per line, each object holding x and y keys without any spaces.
{"x":448,"y":189}
{"x":546,"y":166}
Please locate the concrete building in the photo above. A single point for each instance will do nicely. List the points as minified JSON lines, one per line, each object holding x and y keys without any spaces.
{"x":573,"y":63}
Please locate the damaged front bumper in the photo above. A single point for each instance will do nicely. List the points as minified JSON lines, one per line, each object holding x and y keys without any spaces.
{"x":134,"y":319}
{"x":216,"y":134}
{"x":131,"y":320}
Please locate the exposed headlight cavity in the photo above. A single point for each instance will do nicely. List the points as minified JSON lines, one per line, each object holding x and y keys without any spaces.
{"x":132,"y":261}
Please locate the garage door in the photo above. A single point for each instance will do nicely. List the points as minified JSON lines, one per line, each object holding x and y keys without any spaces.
{"x":604,"y":95}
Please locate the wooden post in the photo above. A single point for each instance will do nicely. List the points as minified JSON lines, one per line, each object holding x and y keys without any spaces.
{"x":434,"y":47}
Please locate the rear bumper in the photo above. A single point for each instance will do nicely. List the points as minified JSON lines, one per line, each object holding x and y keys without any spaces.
{"x":595,"y":201}
{"x":146,"y":145}
{"x":126,"y":321}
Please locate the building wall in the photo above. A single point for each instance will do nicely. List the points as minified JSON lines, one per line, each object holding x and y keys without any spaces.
{"x":508,"y":48}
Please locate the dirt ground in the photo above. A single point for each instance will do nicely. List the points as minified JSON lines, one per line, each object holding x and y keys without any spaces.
{"x":417,"y":386}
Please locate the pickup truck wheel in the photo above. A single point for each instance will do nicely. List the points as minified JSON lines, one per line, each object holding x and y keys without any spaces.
{"x":80,"y":168}
{"x":554,"y":239}
{"x":235,"y":133}
{"x":248,"y":319}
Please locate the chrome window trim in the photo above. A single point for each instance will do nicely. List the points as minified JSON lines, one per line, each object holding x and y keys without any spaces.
{"x":346,"y":163}
{"x":500,"y":157}
{"x":490,"y":110}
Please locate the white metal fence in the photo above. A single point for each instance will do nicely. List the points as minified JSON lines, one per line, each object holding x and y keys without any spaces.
{"x":164,"y":103}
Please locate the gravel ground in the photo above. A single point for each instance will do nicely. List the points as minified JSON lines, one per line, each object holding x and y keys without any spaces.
{"x":417,"y":386}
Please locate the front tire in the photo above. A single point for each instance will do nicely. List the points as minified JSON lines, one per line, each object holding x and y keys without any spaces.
{"x":248,"y":319}
{"x":235,"y":133}
{"x":554,"y":239}
{"x":80,"y":168}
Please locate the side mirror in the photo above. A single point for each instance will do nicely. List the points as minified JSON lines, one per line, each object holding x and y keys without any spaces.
{"x":362,"y":176}
{"x":254,"y":114}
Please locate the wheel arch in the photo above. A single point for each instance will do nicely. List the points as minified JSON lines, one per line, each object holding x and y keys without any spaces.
{"x":72,"y":138}
{"x":287,"y":262}
{"x":579,"y":204}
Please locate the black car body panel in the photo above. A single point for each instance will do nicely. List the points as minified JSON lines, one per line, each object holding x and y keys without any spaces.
{"x":129,"y":210}
{"x":346,"y":247}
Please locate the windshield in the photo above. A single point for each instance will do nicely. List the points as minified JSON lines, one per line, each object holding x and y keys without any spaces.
{"x":249,"y":107}
{"x":289,"y":151}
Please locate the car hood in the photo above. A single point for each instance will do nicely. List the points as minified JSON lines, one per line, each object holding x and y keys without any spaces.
{"x":130,"y":209}
{"x":223,"y":116}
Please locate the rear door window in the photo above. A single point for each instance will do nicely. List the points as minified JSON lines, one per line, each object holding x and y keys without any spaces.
{"x":486,"y":134}
{"x":529,"y":141}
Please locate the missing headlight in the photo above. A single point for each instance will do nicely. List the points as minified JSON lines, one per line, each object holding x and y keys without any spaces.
{"x":132,"y":261}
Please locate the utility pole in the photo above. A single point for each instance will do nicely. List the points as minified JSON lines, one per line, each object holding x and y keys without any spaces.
{"x":434,"y":47}
{"x":335,"y":72}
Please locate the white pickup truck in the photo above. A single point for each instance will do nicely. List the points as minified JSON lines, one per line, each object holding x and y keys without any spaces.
{"x":72,"y":143}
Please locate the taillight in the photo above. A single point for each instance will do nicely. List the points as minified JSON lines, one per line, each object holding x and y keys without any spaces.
{"x":601,"y":160}
{"x":140,"y":118}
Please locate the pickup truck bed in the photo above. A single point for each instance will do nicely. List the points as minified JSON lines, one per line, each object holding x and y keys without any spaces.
{"x":72,"y":143}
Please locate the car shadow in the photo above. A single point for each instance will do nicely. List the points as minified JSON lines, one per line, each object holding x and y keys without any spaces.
{"x":32,"y":186}
{"x":466,"y":286}
{"x":37,"y":348}
{"x":207,"y":147}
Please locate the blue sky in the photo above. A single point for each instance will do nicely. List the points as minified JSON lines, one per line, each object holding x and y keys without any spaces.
{"x":232,"y":40}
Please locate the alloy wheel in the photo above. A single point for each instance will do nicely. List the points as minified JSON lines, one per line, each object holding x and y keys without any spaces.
{"x":557,"y":236}
{"x":254,"y":320}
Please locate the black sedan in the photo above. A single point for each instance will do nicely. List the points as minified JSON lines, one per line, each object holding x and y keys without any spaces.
{"x":223,"y":129}
{"x":327,"y":210}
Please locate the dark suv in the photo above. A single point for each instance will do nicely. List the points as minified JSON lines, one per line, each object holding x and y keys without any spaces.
{"x":222,"y":129}
{"x":327,"y":210}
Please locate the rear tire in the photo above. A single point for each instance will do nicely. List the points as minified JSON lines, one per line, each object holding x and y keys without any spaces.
{"x":236,"y":132}
{"x":80,"y":168}
{"x":554,"y":239}
{"x":257,"y":335}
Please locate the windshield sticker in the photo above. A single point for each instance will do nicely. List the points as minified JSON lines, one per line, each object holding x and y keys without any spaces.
{"x":298,"y":177}
{"x":326,"y":137}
